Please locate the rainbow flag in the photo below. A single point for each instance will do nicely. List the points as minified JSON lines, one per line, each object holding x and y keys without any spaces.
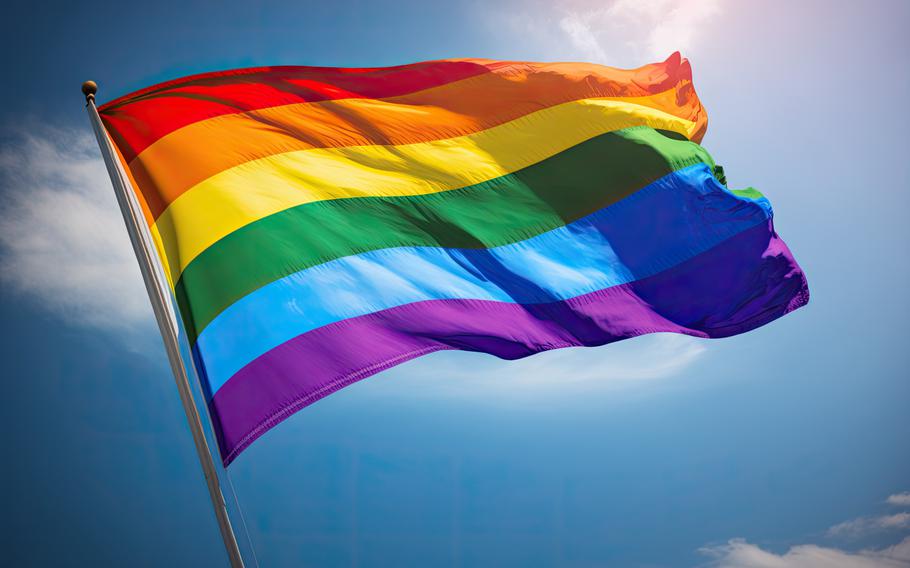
{"x":319,"y":225}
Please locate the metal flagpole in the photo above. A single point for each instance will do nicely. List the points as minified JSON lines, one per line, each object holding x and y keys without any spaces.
{"x":167,"y":325}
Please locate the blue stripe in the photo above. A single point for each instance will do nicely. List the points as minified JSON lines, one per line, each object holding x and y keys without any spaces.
{"x":661,"y":225}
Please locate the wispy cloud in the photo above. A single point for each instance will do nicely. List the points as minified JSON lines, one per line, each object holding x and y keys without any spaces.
{"x":578,"y":27}
{"x":566,"y":370}
{"x":650,"y":357}
{"x":738,"y":553}
{"x":866,"y":525}
{"x":62,"y":241}
{"x":638,"y":28}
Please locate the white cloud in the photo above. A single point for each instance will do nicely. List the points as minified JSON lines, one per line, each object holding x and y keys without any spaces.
{"x":867,"y":525}
{"x":738,"y":553}
{"x":545,"y":374}
{"x":650,"y":357}
{"x":62,"y":240}
{"x":578,"y":28}
{"x":899,"y":499}
{"x":633,"y":29}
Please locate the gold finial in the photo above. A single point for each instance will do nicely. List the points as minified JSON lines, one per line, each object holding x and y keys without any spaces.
{"x":89,"y":88}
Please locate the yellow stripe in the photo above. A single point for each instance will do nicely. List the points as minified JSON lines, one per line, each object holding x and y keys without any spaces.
{"x":241,"y":195}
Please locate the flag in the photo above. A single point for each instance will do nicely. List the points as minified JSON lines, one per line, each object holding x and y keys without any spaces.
{"x":318,"y":225}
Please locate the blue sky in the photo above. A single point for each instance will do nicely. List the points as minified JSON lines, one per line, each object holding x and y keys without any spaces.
{"x":783,"y":447}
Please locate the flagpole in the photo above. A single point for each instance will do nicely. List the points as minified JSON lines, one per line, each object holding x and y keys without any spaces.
{"x":167,"y":325}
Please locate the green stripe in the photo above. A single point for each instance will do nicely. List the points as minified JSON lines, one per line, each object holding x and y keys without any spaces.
{"x":511,"y":208}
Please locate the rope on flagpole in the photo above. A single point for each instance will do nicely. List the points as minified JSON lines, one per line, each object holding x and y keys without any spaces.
{"x":167,"y":323}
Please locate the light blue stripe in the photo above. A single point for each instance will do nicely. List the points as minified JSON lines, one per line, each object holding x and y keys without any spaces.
{"x":661,"y":225}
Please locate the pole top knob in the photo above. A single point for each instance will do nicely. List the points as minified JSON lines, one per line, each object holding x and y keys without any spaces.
{"x":89,"y":88}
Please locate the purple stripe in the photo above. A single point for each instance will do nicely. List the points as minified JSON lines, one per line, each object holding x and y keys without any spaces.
{"x":742,"y":283}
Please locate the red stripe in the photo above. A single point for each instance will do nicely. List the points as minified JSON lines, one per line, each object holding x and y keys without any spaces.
{"x":137,"y":120}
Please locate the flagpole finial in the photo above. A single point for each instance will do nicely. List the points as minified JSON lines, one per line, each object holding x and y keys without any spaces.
{"x":89,"y":88}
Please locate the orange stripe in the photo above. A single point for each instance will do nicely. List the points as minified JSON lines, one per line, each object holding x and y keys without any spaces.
{"x":147,"y":215}
{"x":208,"y":147}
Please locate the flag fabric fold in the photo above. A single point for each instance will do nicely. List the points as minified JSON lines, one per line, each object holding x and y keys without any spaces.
{"x":319,"y":225}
